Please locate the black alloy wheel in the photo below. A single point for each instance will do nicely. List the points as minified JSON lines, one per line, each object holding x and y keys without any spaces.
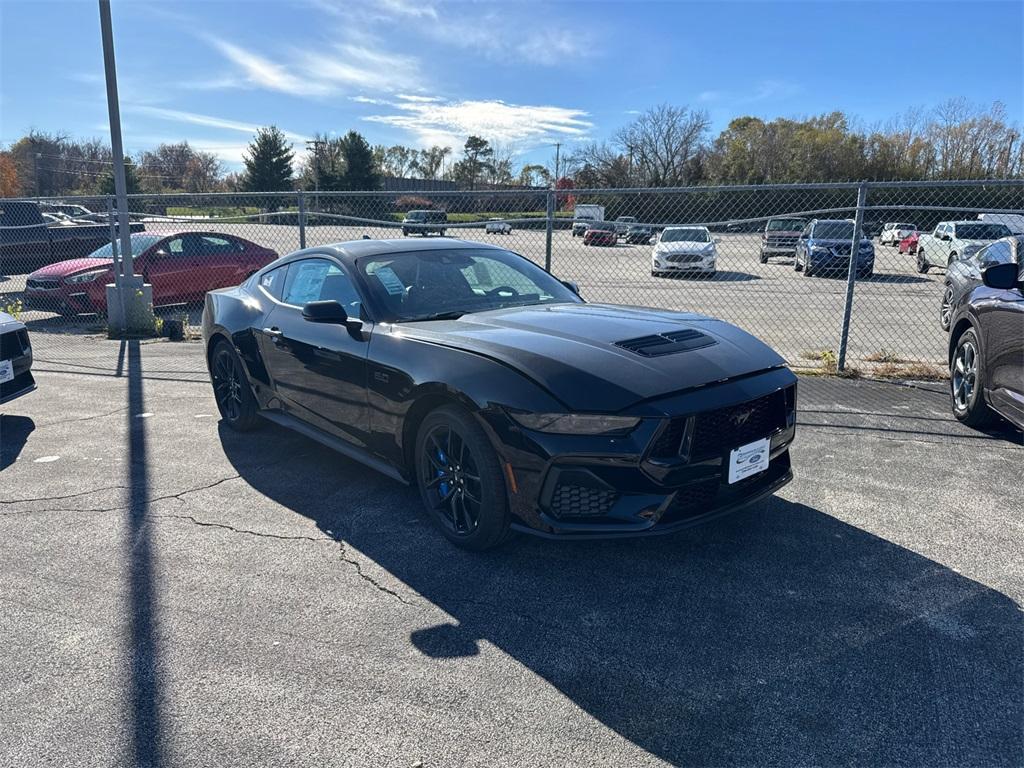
{"x":966,"y":380}
{"x":460,"y":479}
{"x":946,"y":307}
{"x":231,"y":390}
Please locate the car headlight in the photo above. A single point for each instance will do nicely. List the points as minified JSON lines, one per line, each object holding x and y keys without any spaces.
{"x":820,"y":249}
{"x":85,"y":277}
{"x":576,"y":423}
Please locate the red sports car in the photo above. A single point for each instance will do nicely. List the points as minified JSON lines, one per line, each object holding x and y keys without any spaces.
{"x":181,"y":267}
{"x":601,"y":233}
{"x":909,"y":244}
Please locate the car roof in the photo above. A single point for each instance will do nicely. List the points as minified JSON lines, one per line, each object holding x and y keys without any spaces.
{"x":350,"y":250}
{"x":685,"y":226}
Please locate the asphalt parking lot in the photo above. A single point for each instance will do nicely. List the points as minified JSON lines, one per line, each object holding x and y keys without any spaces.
{"x":177,"y":594}
{"x":894,"y":317}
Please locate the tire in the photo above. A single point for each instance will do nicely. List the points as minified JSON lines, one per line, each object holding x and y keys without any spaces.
{"x":763,"y":257}
{"x":922,"y":264}
{"x":797,"y":266}
{"x":235,"y":400}
{"x":475,"y":515}
{"x":808,"y":272}
{"x":966,"y":384}
{"x":441,"y":232}
{"x":951,"y":259}
{"x":656,"y":273}
{"x":866,"y":274}
{"x":946,"y":307}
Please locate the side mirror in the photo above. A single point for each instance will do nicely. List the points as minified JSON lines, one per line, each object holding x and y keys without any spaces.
{"x":1002,"y":276}
{"x":571,"y":286}
{"x":325,"y":312}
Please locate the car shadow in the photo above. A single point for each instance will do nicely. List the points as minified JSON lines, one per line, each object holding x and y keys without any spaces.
{"x":14,"y":432}
{"x":776,"y":635}
{"x":721,"y":276}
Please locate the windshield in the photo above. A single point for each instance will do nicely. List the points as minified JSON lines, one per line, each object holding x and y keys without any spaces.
{"x":602,"y":226}
{"x":685,"y":235}
{"x":904,"y":226}
{"x":416,"y":215}
{"x":139,"y":244}
{"x":421,"y":285}
{"x":833,"y":230}
{"x":982,"y":231}
{"x":786,"y":225}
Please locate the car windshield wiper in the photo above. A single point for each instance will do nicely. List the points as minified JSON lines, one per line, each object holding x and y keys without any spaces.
{"x":451,"y":315}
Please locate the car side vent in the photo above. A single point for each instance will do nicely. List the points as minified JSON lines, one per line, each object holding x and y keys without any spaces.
{"x":660,"y":344}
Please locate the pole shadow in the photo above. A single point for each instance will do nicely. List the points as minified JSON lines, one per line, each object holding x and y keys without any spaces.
{"x":776,"y":635}
{"x":142,"y":638}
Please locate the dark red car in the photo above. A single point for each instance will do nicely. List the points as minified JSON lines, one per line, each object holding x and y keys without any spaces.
{"x":181,"y":267}
{"x":601,"y":233}
{"x":909,"y":244}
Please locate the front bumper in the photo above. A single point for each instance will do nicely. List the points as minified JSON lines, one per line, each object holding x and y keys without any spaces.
{"x":14,"y":346}
{"x":780,"y":250}
{"x":700,"y":263}
{"x":64,"y":300}
{"x":571,"y":486}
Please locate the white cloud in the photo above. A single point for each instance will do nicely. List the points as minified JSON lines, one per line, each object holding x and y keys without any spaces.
{"x":448,"y":123}
{"x":193,"y":118}
{"x":321,"y":72}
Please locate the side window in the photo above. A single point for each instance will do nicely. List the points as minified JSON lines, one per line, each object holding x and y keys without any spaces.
{"x":319,"y":280}
{"x":212,"y":245}
{"x":998,"y":252}
{"x":175,"y":247}
{"x":273,"y":281}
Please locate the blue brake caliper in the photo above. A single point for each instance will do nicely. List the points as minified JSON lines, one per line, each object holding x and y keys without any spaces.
{"x":442,"y":489}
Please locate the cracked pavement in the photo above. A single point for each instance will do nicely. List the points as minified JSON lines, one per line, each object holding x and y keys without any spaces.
{"x":173,"y":593}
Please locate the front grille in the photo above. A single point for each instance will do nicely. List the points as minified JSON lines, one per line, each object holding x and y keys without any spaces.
{"x":716,"y":432}
{"x":13,"y":344}
{"x":684,"y":258}
{"x":41,"y":285}
{"x":780,"y":241}
{"x":692,"y":500}
{"x":659,"y":344}
{"x":841,"y":250}
{"x":570,"y":500}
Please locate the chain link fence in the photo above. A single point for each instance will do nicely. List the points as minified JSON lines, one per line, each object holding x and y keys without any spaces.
{"x":782,"y":262}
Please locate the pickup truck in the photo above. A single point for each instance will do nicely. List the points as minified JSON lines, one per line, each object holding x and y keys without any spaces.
{"x":28,"y":240}
{"x":952,"y":240}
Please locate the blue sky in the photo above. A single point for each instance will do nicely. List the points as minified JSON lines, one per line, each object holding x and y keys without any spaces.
{"x":522,"y":74}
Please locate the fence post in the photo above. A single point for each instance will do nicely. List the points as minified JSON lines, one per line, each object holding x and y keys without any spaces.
{"x":550,"y":227}
{"x":851,"y":273}
{"x":302,"y":219}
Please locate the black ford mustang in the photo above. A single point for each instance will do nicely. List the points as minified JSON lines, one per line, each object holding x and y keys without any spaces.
{"x":473,"y":373}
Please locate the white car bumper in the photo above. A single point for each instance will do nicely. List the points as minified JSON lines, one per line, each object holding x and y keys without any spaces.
{"x":683,"y":262}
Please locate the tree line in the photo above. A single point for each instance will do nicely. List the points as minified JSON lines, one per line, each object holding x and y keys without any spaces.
{"x":665,"y":146}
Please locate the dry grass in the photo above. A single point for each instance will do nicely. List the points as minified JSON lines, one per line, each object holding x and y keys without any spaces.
{"x":915,"y":371}
{"x":884,"y":356}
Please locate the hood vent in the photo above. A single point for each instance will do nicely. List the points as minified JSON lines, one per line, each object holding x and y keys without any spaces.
{"x":667,"y":343}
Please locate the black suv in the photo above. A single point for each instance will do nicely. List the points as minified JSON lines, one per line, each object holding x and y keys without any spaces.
{"x":986,"y":346}
{"x":424,"y":222}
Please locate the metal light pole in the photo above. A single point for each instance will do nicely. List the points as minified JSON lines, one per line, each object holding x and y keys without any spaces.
{"x":128,"y":300}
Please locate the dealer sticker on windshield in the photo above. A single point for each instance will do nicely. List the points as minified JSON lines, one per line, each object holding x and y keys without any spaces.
{"x":6,"y":371}
{"x":749,"y":459}
{"x":391,"y":282}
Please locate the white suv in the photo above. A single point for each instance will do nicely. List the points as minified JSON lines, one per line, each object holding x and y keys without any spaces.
{"x":892,"y":233}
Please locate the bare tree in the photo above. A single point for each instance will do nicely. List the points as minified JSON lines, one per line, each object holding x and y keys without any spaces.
{"x":660,"y":143}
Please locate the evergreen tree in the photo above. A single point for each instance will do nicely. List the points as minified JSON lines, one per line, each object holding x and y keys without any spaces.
{"x":268,"y":162}
{"x":131,"y":180}
{"x":360,"y":171}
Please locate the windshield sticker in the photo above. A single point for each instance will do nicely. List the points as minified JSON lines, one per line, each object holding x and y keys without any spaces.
{"x":391,"y":282}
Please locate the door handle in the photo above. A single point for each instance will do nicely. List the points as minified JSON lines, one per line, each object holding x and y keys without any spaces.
{"x":274,"y":333}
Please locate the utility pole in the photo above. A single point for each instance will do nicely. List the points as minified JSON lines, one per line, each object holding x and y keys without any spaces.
{"x":38,"y":156}
{"x":316,"y":144}
{"x":129,"y":301}
{"x":558,"y":149}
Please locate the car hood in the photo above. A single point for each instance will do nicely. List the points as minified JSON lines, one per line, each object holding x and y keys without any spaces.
{"x":572,"y":350}
{"x":71,"y":267}
{"x":8,"y":323}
